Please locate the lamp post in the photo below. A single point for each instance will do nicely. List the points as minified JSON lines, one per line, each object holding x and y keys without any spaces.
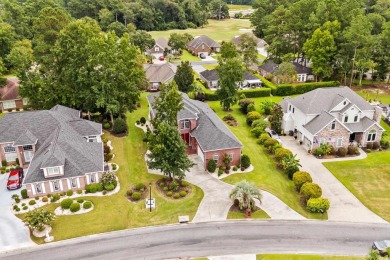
{"x":150,"y":197}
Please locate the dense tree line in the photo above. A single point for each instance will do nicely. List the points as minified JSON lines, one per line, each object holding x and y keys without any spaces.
{"x":337,"y":36}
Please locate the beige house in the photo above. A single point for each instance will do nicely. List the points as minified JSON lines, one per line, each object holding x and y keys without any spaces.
{"x":160,"y":48}
{"x":303,"y":73}
{"x":58,"y":150}
{"x":158,"y":74}
{"x":337,"y":116}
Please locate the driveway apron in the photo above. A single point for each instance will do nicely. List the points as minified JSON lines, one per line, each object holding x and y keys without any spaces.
{"x":344,"y":206}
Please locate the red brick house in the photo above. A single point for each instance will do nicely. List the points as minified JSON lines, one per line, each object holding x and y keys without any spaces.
{"x":203,"y":45}
{"x":204,"y":133}
{"x":10,"y":100}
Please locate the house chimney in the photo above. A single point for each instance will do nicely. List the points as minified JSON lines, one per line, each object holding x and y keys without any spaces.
{"x":377,"y":114}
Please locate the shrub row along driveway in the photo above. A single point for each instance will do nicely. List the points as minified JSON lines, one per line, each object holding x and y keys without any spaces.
{"x":216,"y":203}
{"x":13,"y":233}
{"x":344,"y":206}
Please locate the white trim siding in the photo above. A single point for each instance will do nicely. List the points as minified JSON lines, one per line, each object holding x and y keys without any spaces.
{"x":68,"y":182}
{"x":61,"y":186}
{"x":78,"y":182}
{"x":51,"y":186}
{"x":43,"y":186}
{"x":87,"y":179}
{"x":33,"y":189}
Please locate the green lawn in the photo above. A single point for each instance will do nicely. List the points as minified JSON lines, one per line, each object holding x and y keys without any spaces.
{"x":116,"y":212}
{"x":210,"y":66}
{"x":387,"y":129}
{"x":368,"y":180}
{"x":371,"y":95}
{"x":239,"y":7}
{"x":186,"y":56}
{"x":305,"y":257}
{"x":265,"y":174}
{"x":238,"y":215}
{"x":223,"y":30}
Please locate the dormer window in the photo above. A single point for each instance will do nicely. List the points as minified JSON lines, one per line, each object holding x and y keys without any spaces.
{"x":53,"y":171}
{"x":185,"y":124}
{"x":91,"y":139}
{"x":333,"y":127}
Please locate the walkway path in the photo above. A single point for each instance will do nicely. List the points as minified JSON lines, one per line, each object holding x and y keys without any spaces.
{"x":344,"y":206}
{"x":13,"y":233}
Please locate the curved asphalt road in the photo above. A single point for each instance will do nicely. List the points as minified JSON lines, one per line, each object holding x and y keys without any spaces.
{"x":215,"y":238}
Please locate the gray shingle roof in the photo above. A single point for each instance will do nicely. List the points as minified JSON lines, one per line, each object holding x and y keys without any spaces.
{"x":211,"y":75}
{"x":211,"y":133}
{"x":300,"y":69}
{"x":260,"y":42}
{"x":26,"y":138}
{"x":203,"y":39}
{"x":160,"y":72}
{"x":360,"y":126}
{"x":58,"y":141}
{"x":315,"y":101}
{"x":269,"y":66}
{"x":163,"y":43}
{"x":319,"y":122}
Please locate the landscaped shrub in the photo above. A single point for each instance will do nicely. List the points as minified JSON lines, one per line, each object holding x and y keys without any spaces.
{"x":252,"y":116}
{"x":109,"y":187}
{"x":291,"y":89}
{"x":55,"y":197}
{"x":108,"y":180}
{"x":342,"y":152}
{"x":375,"y":145}
{"x":235,"y":168}
{"x":129,"y":192}
{"x":119,"y":126}
{"x":25,"y":207}
{"x":142,"y":120}
{"x":114,"y":166}
{"x":245,"y":161}
{"x":301,"y":178}
{"x":65,"y":204}
{"x":263,"y":137}
{"x":250,"y":108}
{"x":270,"y":142}
{"x":79,"y":191}
{"x":352,"y":150}
{"x":319,"y":151}
{"x":176,"y":195}
{"x":165,"y":188}
{"x":319,"y":205}
{"x":184,"y":184}
{"x":229,"y":117}
{"x":253,"y":93}
{"x":4,"y":163}
{"x":369,"y":145}
{"x":244,"y":105}
{"x":24,"y":194}
{"x":385,"y":144}
{"x":368,"y":150}
{"x":74,"y":207}
{"x":87,"y":205}
{"x":32,"y":202}
{"x":272,"y":149}
{"x":280,"y":153}
{"x":106,"y":148}
{"x":311,"y":190}
{"x":169,"y":193}
{"x":106,"y":126}
{"x":69,"y":193}
{"x":108,"y":157}
{"x":139,"y":186}
{"x":80,"y":200}
{"x":220,"y":172}
{"x":45,"y":199}
{"x":268,"y":84}
{"x":174,"y":186}
{"x":211,"y":166}
{"x":136,"y":195}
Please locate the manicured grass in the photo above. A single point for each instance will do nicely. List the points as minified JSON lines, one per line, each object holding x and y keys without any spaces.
{"x":210,"y":66}
{"x":223,"y":30}
{"x":368,"y":180}
{"x":239,"y":215}
{"x":1,"y":115}
{"x":116,"y":212}
{"x":387,"y":129}
{"x":186,"y":56}
{"x":260,"y":56}
{"x":305,"y":257}
{"x":265,"y":175}
{"x":239,"y":7}
{"x":371,"y":95}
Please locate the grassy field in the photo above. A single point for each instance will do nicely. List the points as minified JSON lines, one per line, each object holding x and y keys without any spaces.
{"x":368,"y":180}
{"x":305,"y":257}
{"x":116,"y":212}
{"x":238,"y":215}
{"x":219,"y":31}
{"x":239,"y":7}
{"x":210,"y":66}
{"x":384,"y":98}
{"x":387,"y":129}
{"x":186,"y":56}
{"x":265,"y":174}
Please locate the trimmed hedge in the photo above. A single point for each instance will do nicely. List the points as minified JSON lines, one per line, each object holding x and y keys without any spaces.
{"x":65,"y":204}
{"x":74,"y":207}
{"x":292,"y":89}
{"x":258,"y":92}
{"x":24,"y":193}
{"x":301,"y":178}
{"x":318,"y":205}
{"x":87,"y":205}
{"x":268,"y":84}
{"x":311,"y":190}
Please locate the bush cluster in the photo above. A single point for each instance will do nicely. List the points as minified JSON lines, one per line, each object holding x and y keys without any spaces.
{"x":311,"y":190}
{"x":292,"y":89}
{"x":342,"y":152}
{"x":245,"y":161}
{"x":80,"y":200}
{"x":318,"y":205}
{"x":244,"y":103}
{"x":136,"y":196}
{"x":87,"y":205}
{"x":252,"y":116}
{"x":300,"y":178}
{"x":93,"y":188}
{"x":74,"y":207}
{"x":65,"y":204}
{"x":45,"y":199}
{"x":55,"y":197}
{"x":24,"y":194}
{"x":211,"y":166}
{"x":32,"y":202}
{"x":140,"y":186}
{"x":69,"y":193}
{"x":119,"y":126}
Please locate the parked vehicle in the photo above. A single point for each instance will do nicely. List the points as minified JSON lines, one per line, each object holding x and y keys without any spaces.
{"x":15,"y":179}
{"x":202,"y":56}
{"x":273,"y":135}
{"x":381,"y":246}
{"x":161,"y":58}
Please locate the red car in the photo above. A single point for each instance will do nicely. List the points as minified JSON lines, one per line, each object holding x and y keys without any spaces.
{"x":161,"y":58}
{"x":15,"y":179}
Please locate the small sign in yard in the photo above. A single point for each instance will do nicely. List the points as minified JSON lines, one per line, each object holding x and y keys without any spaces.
{"x":184,"y":219}
{"x":150,"y":203}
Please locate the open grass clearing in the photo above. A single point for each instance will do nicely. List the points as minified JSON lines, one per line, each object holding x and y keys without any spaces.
{"x":223,"y":30}
{"x":370,"y":94}
{"x":305,"y":257}
{"x":387,"y":129}
{"x":265,"y":175}
{"x":116,"y":212}
{"x":239,"y":7}
{"x":368,"y":180}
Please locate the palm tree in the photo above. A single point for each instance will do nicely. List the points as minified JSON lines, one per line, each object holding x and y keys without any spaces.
{"x":245,"y":193}
{"x":37,"y":219}
{"x":290,"y":164}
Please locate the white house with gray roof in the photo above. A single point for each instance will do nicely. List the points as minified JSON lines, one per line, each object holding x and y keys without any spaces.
{"x":337,"y":116}
{"x":60,"y":150}
{"x":204,"y":133}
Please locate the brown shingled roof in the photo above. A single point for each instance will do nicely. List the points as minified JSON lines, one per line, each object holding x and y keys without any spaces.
{"x":10,"y":91}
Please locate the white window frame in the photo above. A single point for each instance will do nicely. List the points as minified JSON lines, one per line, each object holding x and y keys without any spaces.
{"x":339,"y":142}
{"x":53,"y":171}
{"x":156,"y":49}
{"x":355,"y":118}
{"x":371,"y":137}
{"x":9,"y":104}
{"x":187,"y":124}
{"x":28,"y":148}
{"x":57,"y":182}
{"x":92,"y":178}
{"x":12,"y":149}
{"x":75,"y":183}
{"x":346,"y":119}
{"x":155,"y":85}
{"x":92,"y":139}
{"x":231,"y":155}
{"x":38,"y":188}
{"x":216,"y":158}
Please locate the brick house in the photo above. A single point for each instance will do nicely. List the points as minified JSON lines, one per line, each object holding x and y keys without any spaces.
{"x":203,"y":132}
{"x":59,"y":150}
{"x":158,"y":74}
{"x":337,"y":116}
{"x":211,"y":78}
{"x":160,"y":48}
{"x":303,"y":73}
{"x":203,"y":45}
{"x":10,"y":100}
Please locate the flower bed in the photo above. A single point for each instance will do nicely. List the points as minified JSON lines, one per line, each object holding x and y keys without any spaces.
{"x":173,"y":189}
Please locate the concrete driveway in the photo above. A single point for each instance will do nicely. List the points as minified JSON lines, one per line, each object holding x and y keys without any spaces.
{"x":13,"y":233}
{"x":198,"y":68}
{"x":344,"y":206}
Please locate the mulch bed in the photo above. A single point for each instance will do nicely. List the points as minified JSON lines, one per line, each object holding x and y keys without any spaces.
{"x":119,"y":135}
{"x":167,"y":182}
{"x":235,"y":208}
{"x":144,"y":194}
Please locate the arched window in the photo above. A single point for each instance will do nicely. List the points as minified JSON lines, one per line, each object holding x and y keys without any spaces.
{"x":371,"y":136}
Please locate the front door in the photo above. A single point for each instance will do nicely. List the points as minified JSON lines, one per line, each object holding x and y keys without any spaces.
{"x":352,"y":137}
{"x":28,"y":156}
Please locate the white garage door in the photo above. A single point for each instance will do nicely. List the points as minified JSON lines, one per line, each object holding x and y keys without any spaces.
{"x":158,"y":55}
{"x":204,"y":53}
{"x":200,"y":153}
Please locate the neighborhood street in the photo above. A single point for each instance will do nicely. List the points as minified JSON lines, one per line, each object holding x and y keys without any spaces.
{"x":215,"y":238}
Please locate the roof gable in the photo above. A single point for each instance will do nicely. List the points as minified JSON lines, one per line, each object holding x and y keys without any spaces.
{"x":160,"y":72}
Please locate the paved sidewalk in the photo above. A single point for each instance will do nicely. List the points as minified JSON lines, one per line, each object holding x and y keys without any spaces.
{"x":344,"y":206}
